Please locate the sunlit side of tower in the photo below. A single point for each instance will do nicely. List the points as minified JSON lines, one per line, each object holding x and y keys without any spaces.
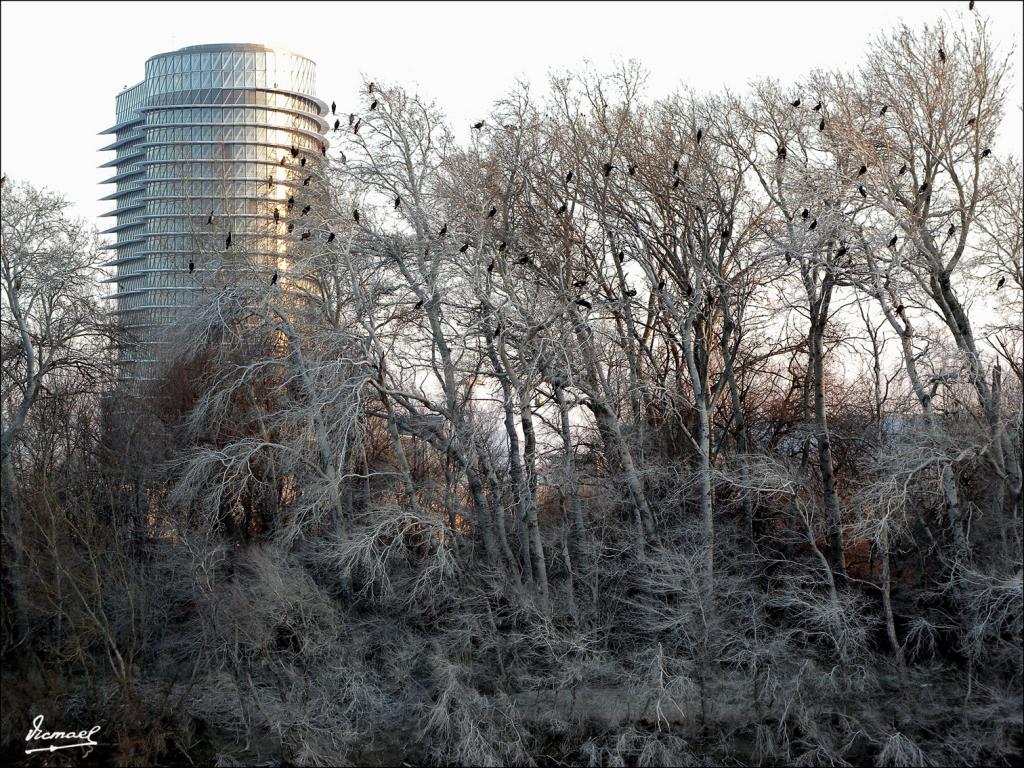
{"x":204,"y":134}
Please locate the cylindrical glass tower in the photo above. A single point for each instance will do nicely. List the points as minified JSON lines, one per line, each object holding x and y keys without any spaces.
{"x":211,"y":142}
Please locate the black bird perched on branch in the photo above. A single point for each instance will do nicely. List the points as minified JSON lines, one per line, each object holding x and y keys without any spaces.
{"x":357,"y":126}
{"x":337,"y":124}
{"x":892,"y":242}
{"x":478,"y":125}
{"x":951,"y":231}
{"x":805,"y":213}
{"x":209,"y":220}
{"x":291,"y":226}
{"x":355,"y":215}
{"x":563,"y":207}
{"x":814,"y":225}
{"x":465,"y":247}
{"x":619,"y":256}
{"x":523,"y":260}
{"x":862,"y":171}
{"x":883,"y":110}
{"x":821,"y":124}
{"x":817,"y":107}
{"x":899,"y":309}
{"x":986,"y":152}
{"x":370,"y":88}
{"x":306,"y":181}
{"x":497,"y":330}
{"x":398,"y":202}
{"x":305,"y":210}
{"x":789,"y":257}
{"x":970,"y":6}
{"x":632,"y":170}
{"x":302,"y":162}
{"x":334,"y":108}
{"x":796,"y":103}
{"x":923,"y":187}
{"x":903,"y":169}
{"x":490,"y":267}
{"x":675,"y":166}
{"x":608,"y":168}
{"x":661,"y":285}
{"x":191,"y":267}
{"x":418,"y":304}
{"x":971,"y":122}
{"x":676,"y":182}
{"x":295,"y":151}
{"x":631,"y":292}
{"x":305,"y":235}
{"x":1001,"y":283}
{"x":273,"y":280}
{"x":493,"y":212}
{"x":942,"y":54}
{"x":568,"y":177}
{"x":584,"y":303}
{"x":863,"y":192}
{"x":700,"y":134}
{"x":330,"y":238}
{"x":227,"y":243}
{"x":270,"y":182}
{"x":579,"y":283}
{"x":502,"y":246}
{"x":726,"y":234}
{"x":373,"y":105}
{"x":842,"y":251}
{"x":277,"y":215}
{"x":781,"y":152}
{"x":291,"y":201}
{"x":444,"y":230}
{"x":351,"y":118}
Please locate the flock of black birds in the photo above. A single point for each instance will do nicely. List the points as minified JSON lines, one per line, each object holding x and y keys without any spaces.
{"x":781,"y":154}
{"x":307,"y":234}
{"x":861,"y":189}
{"x":355,"y":123}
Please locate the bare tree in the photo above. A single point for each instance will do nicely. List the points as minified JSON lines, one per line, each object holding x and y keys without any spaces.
{"x":929,"y":178}
{"x":52,"y":326}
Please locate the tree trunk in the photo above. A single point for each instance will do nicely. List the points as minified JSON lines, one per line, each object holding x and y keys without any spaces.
{"x":890,"y":623}
{"x":609,"y":425}
{"x":572,"y":497}
{"x":833,"y":511}
{"x":498,"y":512}
{"x":540,"y":570}
{"x":516,"y":473}
{"x":705,"y":499}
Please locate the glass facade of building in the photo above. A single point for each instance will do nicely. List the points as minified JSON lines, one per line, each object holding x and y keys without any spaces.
{"x":203,"y":137}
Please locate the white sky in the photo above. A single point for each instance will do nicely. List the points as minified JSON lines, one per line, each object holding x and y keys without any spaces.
{"x":63,"y":63}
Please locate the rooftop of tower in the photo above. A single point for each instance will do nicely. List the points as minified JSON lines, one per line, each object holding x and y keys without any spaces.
{"x":209,"y":47}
